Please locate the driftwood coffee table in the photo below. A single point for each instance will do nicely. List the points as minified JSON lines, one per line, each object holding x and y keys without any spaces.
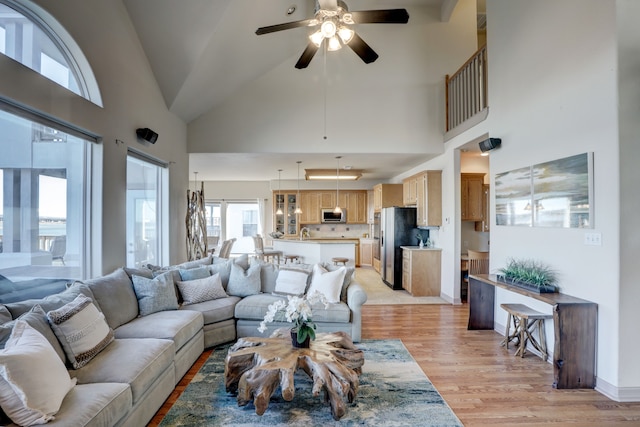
{"x":254,"y":368}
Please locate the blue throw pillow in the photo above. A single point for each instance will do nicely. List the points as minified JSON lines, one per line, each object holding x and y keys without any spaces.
{"x":156,"y":294}
{"x":194,"y":273}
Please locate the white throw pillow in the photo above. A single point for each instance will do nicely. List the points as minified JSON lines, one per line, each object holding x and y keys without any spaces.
{"x":33,"y":379}
{"x":81,"y":329}
{"x":243,"y":283}
{"x":291,"y":282}
{"x":201,"y":290}
{"x":329,"y":283}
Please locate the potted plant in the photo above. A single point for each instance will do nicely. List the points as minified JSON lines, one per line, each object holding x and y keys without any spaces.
{"x":297,"y":310}
{"x":529,"y":274}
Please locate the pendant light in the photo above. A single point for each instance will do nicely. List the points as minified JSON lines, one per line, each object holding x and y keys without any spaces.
{"x":298,"y":211}
{"x":338,"y":209}
{"x":279,"y":211}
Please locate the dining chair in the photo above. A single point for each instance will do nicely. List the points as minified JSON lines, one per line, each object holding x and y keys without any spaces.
{"x":265,"y":254}
{"x":225,"y":248}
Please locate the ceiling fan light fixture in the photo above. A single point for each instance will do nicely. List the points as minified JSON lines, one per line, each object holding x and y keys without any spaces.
{"x":346,"y":34}
{"x":328,"y":28}
{"x":334,"y":44}
{"x":316,"y":38}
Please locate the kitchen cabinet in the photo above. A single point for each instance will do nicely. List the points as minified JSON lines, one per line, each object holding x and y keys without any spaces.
{"x":286,"y":223}
{"x":310,"y":205}
{"x":421,"y":271}
{"x":386,"y":195}
{"x":429,"y":199}
{"x":484,"y":225}
{"x":366,"y":252}
{"x":327,"y":199}
{"x":471,"y":197}
{"x":357,"y":207}
{"x":410,"y":190}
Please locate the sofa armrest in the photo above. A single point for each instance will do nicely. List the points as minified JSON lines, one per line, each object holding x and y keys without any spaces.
{"x":356,"y":297}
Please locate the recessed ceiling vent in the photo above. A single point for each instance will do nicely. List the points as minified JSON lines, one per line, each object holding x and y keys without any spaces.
{"x":482,"y":21}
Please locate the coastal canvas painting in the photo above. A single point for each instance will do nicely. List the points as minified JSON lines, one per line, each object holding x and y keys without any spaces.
{"x":513,"y":197}
{"x":557,"y":193}
{"x":561,"y":193}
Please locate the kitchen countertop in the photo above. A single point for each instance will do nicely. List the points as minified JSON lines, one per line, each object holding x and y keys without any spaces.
{"x":418,"y":248}
{"x":321,"y":241}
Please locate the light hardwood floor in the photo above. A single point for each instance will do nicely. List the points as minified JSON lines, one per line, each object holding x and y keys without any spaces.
{"x":483,"y":383}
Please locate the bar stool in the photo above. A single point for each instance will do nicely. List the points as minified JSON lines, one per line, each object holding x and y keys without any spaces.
{"x":525,"y":320}
{"x":338,"y":260}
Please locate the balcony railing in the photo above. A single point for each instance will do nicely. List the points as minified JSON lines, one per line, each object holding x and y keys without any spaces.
{"x":466,"y":90}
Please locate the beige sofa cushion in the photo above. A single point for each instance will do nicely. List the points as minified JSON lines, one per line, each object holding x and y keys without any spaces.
{"x":115,"y":296}
{"x":176,"y":325}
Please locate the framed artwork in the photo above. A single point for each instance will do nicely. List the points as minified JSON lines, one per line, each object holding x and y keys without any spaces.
{"x":558,"y":193}
{"x":513,"y":195}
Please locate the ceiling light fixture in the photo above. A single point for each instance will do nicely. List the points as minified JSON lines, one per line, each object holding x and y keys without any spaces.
{"x":298,"y":211}
{"x":330,"y":174}
{"x":338,"y":209}
{"x":279,"y":211}
{"x":334,"y":28}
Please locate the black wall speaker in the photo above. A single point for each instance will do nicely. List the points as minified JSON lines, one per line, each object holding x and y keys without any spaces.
{"x":489,"y":144}
{"x":147,"y":134}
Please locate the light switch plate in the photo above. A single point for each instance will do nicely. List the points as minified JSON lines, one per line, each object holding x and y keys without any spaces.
{"x":593,"y":239}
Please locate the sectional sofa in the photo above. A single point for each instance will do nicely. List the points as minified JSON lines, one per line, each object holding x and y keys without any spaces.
{"x":152,"y":337}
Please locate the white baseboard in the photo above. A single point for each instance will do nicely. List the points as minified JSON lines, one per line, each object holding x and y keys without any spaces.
{"x":619,"y":394}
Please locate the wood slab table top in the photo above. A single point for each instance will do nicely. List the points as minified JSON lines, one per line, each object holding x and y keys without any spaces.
{"x":254,"y":367}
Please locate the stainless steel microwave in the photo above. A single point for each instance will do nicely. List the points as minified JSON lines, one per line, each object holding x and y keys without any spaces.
{"x":331,"y":217}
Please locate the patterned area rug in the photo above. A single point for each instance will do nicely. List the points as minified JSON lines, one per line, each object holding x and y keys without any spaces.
{"x":393,"y":392}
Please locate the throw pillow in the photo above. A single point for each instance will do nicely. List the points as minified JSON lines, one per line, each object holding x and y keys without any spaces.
{"x":81,"y":329}
{"x":194,"y":273}
{"x":37,"y":319}
{"x":33,"y":381}
{"x":244,"y":283}
{"x":115,"y":297}
{"x":196,"y":263}
{"x":5,"y":315}
{"x":329,"y":283}
{"x":347,"y":277}
{"x":157,"y":294}
{"x":142,"y":271}
{"x":223,"y":269}
{"x":200,"y":290}
{"x":291,"y":282}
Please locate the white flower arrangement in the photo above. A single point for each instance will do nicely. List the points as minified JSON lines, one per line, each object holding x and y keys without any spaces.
{"x":297,"y":310}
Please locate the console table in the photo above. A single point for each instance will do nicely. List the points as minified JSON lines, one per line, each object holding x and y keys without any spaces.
{"x":575,"y":325}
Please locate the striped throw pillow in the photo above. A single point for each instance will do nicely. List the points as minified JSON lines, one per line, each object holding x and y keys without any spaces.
{"x":81,"y":329}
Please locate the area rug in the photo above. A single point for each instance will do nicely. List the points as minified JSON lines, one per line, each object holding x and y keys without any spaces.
{"x":378,"y":293}
{"x":393,"y":392}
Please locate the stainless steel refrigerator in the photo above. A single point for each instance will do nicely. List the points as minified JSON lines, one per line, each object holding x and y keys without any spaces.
{"x":397,"y":228}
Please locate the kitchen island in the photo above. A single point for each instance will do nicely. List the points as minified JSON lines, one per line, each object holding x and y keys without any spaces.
{"x":312,"y":251}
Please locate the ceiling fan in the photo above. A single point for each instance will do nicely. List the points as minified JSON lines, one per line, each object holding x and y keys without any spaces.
{"x":334,"y":24}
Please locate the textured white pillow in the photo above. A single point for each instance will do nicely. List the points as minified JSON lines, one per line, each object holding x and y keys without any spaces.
{"x":81,"y":329}
{"x":291,"y":282}
{"x":243,"y":283}
{"x":33,"y":379}
{"x":201,"y":290}
{"x":328,"y":283}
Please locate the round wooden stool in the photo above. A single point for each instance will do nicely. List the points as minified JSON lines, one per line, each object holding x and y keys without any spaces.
{"x":292,"y":258}
{"x":338,"y":260}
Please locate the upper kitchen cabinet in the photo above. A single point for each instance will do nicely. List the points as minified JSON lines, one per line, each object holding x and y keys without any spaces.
{"x":429,"y":199}
{"x":287,"y":222}
{"x":472,"y":196}
{"x":410,"y":190}
{"x":484,"y":224}
{"x":310,"y":205}
{"x":387,"y":195}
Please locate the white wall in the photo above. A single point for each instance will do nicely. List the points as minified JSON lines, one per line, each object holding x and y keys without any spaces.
{"x":553,"y":70}
{"x":131,"y":100}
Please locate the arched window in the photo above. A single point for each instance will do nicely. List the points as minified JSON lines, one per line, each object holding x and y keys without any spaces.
{"x":31,"y":36}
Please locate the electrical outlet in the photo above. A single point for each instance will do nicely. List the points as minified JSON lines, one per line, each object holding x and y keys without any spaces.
{"x":593,"y":239}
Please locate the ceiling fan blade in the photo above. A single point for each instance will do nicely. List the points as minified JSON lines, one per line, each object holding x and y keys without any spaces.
{"x":328,"y":4}
{"x":306,"y":56}
{"x":388,"y":16}
{"x":285,"y":26}
{"x":362,"y":49}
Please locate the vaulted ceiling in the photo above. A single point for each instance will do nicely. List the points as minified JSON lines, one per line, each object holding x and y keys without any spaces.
{"x":202,"y":52}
